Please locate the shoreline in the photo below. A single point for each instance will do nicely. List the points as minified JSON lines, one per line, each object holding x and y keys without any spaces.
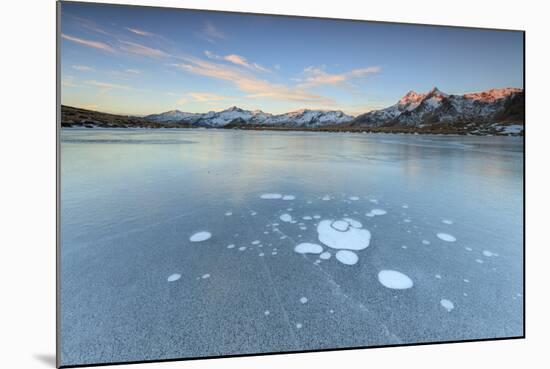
{"x":355,"y":130}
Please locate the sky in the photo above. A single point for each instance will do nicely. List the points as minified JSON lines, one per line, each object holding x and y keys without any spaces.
{"x":141,"y":60}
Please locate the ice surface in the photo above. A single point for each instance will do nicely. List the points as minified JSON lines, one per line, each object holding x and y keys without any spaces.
{"x":446,"y":237}
{"x":347,"y":257}
{"x":174,"y":277}
{"x":394,"y":280}
{"x":447,"y":304}
{"x":271,"y":196}
{"x":286,"y":218}
{"x":308,"y":248}
{"x":200,"y":236}
{"x":334,"y":235}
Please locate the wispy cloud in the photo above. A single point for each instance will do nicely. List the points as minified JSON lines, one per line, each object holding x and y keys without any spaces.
{"x":206,"y":96}
{"x":132,"y":71}
{"x":139,"y":32}
{"x":316,"y":76}
{"x":139,"y":49}
{"x":82,"y":68}
{"x":249,"y":83}
{"x":210,"y":33}
{"x":89,"y":43}
{"x":237,"y":60}
{"x":106,"y":85}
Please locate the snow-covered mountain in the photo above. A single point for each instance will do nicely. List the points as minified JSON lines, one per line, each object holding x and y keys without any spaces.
{"x":172,"y":116}
{"x":236,"y":117}
{"x":435,"y":107}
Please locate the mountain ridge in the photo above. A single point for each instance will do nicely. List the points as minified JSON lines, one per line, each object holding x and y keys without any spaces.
{"x":493,"y":111}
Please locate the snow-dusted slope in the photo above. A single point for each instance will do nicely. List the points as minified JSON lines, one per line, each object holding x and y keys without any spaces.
{"x":435,"y":107}
{"x":172,"y":116}
{"x":309,"y":118}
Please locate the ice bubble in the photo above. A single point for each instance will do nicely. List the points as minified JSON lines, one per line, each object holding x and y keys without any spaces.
{"x":374,"y":201}
{"x":325,"y":198}
{"x":242,"y":248}
{"x":325,"y":255}
{"x":405,"y":206}
{"x":230,"y":246}
{"x":468,"y":248}
{"x":257,"y":242}
{"x":466,"y":280}
{"x":286,"y":218}
{"x":438,"y":276}
{"x":489,"y":253}
{"x":266,"y":313}
{"x":347,"y":257}
{"x":253,"y":213}
{"x":316,"y":217}
{"x":303,"y":228}
{"x":479,"y":261}
{"x":339,"y":235}
{"x":394,"y":280}
{"x":375,"y":212}
{"x":200,"y":236}
{"x":404,"y":247}
{"x":205,"y":276}
{"x":331,"y":311}
{"x":354,"y":223}
{"x":299,"y":325}
{"x":446,"y":237}
{"x":340,"y":225}
{"x":271,"y":196}
{"x":303,"y":300}
{"x":174,"y":277}
{"x":307,"y":217}
{"x":274,"y":253}
{"x":407,"y":220}
{"x":308,"y":248}
{"x":229,"y":213}
{"x":447,"y":221}
{"x":289,"y":197}
{"x":447,"y":304}
{"x":354,"y":198}
{"x":425,"y":242}
{"x":261,"y":254}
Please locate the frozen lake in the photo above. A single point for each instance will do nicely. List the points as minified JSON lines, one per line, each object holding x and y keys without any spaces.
{"x":183,"y":243}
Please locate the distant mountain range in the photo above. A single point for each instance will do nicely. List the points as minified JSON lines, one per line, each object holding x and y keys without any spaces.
{"x":495,"y":111}
{"x":235,"y":116}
